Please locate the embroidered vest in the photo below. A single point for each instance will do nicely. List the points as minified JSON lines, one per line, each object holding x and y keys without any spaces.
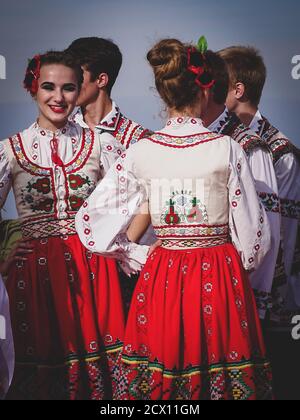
{"x":45,"y":196}
{"x":234,"y":128}
{"x":189,"y":206}
{"x":128,"y":132}
{"x":278,"y":142}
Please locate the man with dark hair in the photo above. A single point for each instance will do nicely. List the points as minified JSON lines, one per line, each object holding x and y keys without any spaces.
{"x":218,"y":119}
{"x":247,"y":73}
{"x":101,"y":61}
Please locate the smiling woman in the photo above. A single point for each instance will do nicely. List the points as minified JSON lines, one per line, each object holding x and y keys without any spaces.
{"x":67,"y":313}
{"x":54,"y":83}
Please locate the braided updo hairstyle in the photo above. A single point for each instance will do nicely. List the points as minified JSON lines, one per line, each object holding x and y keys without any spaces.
{"x":174,"y":82}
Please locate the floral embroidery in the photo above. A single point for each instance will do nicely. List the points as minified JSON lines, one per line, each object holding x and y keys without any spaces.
{"x":76,"y":181}
{"x":206,"y":266}
{"x":270,"y":202}
{"x":184,"y":208}
{"x":46,"y":205}
{"x":208,"y":309}
{"x":208,"y":287}
{"x":172,"y":217}
{"x":236,"y":198}
{"x":76,"y":202}
{"x":41,"y":185}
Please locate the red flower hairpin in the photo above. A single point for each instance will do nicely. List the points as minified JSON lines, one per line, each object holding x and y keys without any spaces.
{"x":32,"y":75}
{"x":197,"y":64}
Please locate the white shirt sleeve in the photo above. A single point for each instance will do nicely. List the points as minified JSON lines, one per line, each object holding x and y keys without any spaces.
{"x":288,"y":174}
{"x":111,"y":150}
{"x":103,"y":220}
{"x":5,"y":176}
{"x":7,"y":355}
{"x":249,"y":226}
{"x":262,"y":168}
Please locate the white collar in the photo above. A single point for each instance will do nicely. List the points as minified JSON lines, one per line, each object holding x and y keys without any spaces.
{"x":108,"y":123}
{"x":217,"y":125}
{"x":183,"y":126}
{"x":39,"y":131}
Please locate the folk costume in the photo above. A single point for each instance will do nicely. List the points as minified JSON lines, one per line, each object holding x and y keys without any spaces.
{"x":116,"y":126}
{"x":193,"y":330}
{"x":66,"y":305}
{"x":261,"y":165}
{"x":285,"y":299}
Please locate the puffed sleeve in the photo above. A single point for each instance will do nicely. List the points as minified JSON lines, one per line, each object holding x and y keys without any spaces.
{"x":103,"y":220}
{"x":5,"y":176}
{"x":262,"y":168}
{"x":111,"y":150}
{"x":288,"y":173}
{"x":249,"y":226}
{"x":7,"y":355}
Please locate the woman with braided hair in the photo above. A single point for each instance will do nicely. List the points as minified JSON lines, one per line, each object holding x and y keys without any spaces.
{"x":193,"y":330}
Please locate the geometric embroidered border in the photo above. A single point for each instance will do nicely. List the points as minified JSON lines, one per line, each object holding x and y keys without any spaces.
{"x":270,"y":202}
{"x":44,"y":229}
{"x":290,"y":208}
{"x":191,"y":231}
{"x":193,"y":243}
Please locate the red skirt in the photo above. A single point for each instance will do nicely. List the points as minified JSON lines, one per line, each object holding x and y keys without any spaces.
{"x":193,"y":331}
{"x":68,"y":322}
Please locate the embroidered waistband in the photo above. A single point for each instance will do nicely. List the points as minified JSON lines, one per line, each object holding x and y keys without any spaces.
{"x":191,"y":231}
{"x":48,"y":228}
{"x":178,"y":244}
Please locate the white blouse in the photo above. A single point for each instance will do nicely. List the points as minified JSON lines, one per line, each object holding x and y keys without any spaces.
{"x":220,"y":196}
{"x":7,"y":355}
{"x":38,"y":147}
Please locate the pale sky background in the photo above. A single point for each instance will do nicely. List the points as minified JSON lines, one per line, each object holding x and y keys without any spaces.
{"x":28,"y":27}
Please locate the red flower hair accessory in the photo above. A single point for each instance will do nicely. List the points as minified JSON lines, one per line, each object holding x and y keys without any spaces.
{"x":197,"y":64}
{"x":32,"y":75}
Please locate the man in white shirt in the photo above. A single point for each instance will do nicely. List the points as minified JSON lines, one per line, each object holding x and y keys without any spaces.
{"x":219,"y":119}
{"x":247,"y":74}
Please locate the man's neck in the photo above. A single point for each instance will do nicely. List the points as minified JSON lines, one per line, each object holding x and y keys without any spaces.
{"x":95,"y":112}
{"x":212,"y":113}
{"x":246,"y":112}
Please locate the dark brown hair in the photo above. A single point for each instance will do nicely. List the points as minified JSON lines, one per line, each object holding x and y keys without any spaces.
{"x":219,"y":73}
{"x":98,"y":55}
{"x":175,"y":84}
{"x":51,"y":57}
{"x":246,"y":65}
